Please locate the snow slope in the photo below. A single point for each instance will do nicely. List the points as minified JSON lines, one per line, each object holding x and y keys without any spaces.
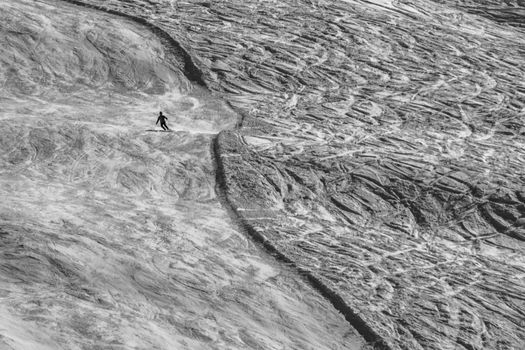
{"x":111,"y":232}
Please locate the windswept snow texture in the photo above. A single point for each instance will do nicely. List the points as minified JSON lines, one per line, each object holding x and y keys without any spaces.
{"x":382,"y":149}
{"x":111,"y":235}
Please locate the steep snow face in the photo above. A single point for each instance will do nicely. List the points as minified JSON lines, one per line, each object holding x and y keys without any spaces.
{"x":111,"y":235}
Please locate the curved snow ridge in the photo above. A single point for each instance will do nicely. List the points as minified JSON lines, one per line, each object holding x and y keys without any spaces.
{"x":195,"y":74}
{"x":190,"y":69}
{"x":225,"y":148}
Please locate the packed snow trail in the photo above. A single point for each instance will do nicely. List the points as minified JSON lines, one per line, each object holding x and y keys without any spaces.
{"x":111,"y":236}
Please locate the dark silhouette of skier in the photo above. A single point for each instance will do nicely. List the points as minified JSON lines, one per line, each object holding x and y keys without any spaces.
{"x":162,"y":119}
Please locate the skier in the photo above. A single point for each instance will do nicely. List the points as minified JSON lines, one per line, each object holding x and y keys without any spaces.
{"x":162,"y":119}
